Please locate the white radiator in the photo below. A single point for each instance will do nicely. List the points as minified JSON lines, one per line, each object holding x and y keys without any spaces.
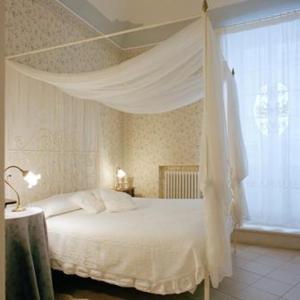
{"x":179,"y":182}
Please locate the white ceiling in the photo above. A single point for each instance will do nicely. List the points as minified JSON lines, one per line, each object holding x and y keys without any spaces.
{"x":148,"y":12}
{"x":108,"y":16}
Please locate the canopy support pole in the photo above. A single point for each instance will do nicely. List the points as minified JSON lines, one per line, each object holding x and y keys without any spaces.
{"x":235,"y":238}
{"x":205,"y":8}
{"x":206,"y":287}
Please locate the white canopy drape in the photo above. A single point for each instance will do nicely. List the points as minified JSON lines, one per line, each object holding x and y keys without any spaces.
{"x":237,"y":153}
{"x":179,"y":71}
{"x":215,"y":181}
{"x":162,"y":79}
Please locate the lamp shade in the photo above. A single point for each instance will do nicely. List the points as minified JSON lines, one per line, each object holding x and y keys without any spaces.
{"x":121,"y":173}
{"x":31,"y":178}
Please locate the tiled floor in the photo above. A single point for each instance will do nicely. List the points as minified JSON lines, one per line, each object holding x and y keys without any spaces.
{"x":259,"y":274}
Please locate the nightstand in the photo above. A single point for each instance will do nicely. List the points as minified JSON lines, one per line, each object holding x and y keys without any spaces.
{"x":28,"y":271}
{"x":129,"y":191}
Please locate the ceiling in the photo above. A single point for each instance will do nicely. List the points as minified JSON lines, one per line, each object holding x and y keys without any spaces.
{"x":148,"y":12}
{"x":108,"y":16}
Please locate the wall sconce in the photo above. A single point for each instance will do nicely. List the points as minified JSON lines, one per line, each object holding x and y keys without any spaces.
{"x":31,"y":178}
{"x":121,"y":177}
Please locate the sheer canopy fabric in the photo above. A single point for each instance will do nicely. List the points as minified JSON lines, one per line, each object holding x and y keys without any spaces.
{"x":178,"y":72}
{"x":162,"y":79}
{"x":237,"y":152}
{"x":215,"y":175}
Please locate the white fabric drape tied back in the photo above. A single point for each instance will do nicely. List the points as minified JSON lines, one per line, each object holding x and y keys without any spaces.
{"x":237,"y":153}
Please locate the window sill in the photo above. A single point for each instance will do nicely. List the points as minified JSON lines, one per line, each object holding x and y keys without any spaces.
{"x":271,"y":229}
{"x":268,"y":236}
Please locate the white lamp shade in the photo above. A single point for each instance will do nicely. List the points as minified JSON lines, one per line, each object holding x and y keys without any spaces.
{"x":32,"y":179}
{"x":121,"y":173}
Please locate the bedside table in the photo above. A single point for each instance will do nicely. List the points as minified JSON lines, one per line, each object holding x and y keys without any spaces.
{"x":28,"y":271}
{"x":129,"y":191}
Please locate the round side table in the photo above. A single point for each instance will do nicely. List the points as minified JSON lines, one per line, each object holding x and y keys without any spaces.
{"x":28,"y":271}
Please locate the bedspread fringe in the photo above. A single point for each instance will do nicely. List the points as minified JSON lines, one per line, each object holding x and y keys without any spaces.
{"x":180,"y":285}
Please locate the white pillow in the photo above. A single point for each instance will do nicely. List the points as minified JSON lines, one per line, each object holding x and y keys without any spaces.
{"x":116,"y":201}
{"x":87,"y":201}
{"x":56,"y":205}
{"x":97,"y":194}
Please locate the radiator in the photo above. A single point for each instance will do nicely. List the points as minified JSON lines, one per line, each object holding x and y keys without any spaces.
{"x":179,"y":182}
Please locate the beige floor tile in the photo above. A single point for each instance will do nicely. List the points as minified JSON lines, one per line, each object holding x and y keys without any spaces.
{"x":245,"y":276}
{"x":238,"y":261}
{"x":272,"y":286}
{"x":293,"y":294}
{"x":251,"y":293}
{"x":282,"y":253}
{"x":293,"y":268}
{"x":285,"y":276}
{"x":231,"y":287}
{"x":258,"y":268}
{"x":246,"y":253}
{"x":272,"y":261}
{"x":216,"y":295}
{"x":295,"y":260}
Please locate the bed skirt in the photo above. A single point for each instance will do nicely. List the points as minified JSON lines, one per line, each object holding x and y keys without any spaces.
{"x":180,"y":285}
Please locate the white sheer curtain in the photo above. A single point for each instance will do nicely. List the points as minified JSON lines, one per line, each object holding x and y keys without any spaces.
{"x":266,"y":57}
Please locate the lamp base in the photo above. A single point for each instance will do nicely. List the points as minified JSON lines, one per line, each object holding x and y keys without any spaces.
{"x":18,"y":209}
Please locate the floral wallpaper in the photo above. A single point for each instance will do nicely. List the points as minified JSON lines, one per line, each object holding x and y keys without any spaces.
{"x":36,"y":24}
{"x":130,"y":53}
{"x":170,"y":138}
{"x":80,"y":58}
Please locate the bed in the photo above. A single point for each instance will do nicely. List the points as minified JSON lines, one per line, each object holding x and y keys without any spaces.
{"x":156,"y":248}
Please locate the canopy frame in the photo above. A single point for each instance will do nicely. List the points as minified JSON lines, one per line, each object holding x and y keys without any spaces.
{"x":100,"y":37}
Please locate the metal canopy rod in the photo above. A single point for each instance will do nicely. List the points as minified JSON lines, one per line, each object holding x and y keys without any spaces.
{"x":205,"y":8}
{"x":100,"y":37}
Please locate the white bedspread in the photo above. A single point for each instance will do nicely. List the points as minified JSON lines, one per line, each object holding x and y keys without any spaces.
{"x":157,"y":248}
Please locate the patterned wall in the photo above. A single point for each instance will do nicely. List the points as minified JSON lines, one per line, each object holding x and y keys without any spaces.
{"x":171,"y":138}
{"x":35,"y":24}
{"x":70,"y":141}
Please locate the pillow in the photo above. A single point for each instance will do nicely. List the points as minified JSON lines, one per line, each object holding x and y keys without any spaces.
{"x":56,"y":205}
{"x":87,"y":201}
{"x":97,"y":194}
{"x":116,"y":201}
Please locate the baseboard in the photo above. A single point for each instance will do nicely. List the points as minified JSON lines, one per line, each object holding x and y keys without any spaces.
{"x":267,"y":238}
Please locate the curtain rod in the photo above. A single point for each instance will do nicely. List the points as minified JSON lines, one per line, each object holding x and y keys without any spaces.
{"x":100,"y":37}
{"x":263,"y":19}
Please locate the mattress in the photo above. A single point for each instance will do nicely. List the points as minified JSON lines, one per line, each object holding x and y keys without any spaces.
{"x":157,"y":248}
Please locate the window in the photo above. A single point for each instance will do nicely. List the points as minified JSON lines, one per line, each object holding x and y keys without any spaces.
{"x":266,"y":58}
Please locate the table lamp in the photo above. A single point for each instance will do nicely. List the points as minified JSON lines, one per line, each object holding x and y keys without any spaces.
{"x":121,"y":175}
{"x":31,"y":178}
